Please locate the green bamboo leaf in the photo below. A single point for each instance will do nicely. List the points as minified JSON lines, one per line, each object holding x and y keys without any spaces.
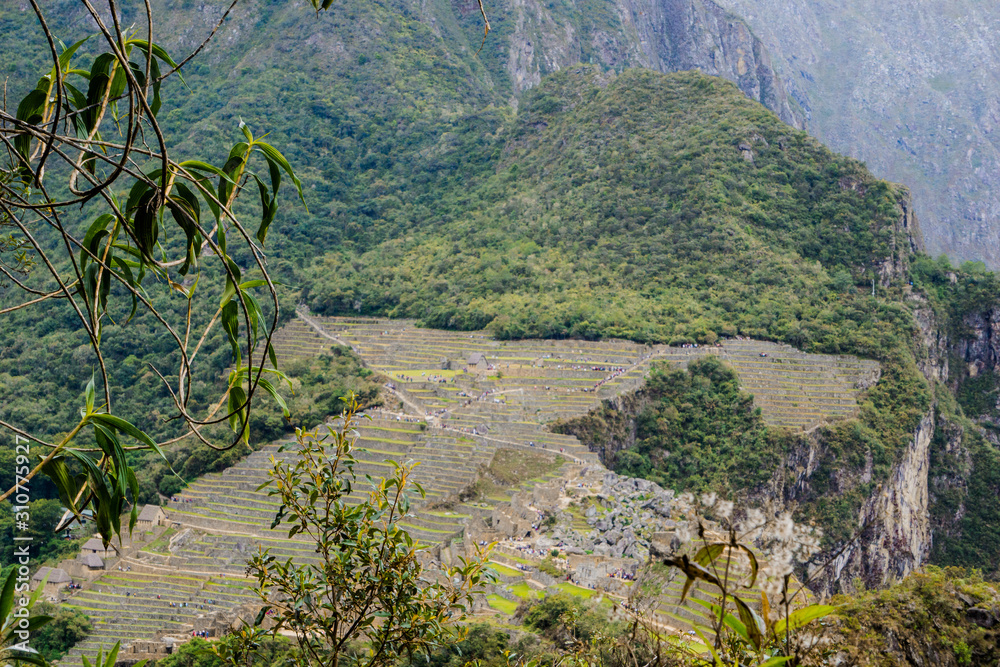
{"x":198,"y":165}
{"x":105,"y":288}
{"x":79,"y":101}
{"x":7,"y":596}
{"x":127,"y":428}
{"x":159,"y":52}
{"x":90,"y":394}
{"x":237,"y":410}
{"x":802,"y":617}
{"x":154,"y":72}
{"x":273,"y":155}
{"x":57,"y":471}
{"x":254,"y":311}
{"x":269,"y":208}
{"x":106,"y":505}
{"x":776,"y":660}
{"x":112,"y":447}
{"x":269,"y":388}
{"x":208,"y":193}
{"x":275,"y":172}
{"x":230,"y":291}
{"x":709,"y":553}
{"x":237,"y":157}
{"x":145,"y":225}
{"x":118,"y":83}
{"x":92,"y":239}
{"x":731,"y":621}
{"x":186,"y":211}
{"x":100,"y":81}
{"x":708,"y":645}
{"x":30,"y":110}
{"x":257,"y":282}
{"x":231,"y":324}
{"x":693,"y":571}
{"x":754,"y":623}
{"x":140,"y":188}
{"x":68,"y":52}
{"x":113,"y":654}
{"x":127,"y":275}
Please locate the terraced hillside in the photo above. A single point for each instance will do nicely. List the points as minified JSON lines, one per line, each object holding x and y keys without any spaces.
{"x":463,"y":397}
{"x":532,"y":382}
{"x":147,"y":602}
{"x":192,"y":577}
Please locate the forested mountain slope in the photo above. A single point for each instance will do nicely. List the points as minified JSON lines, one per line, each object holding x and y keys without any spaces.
{"x":909,"y":87}
{"x":380,"y":102}
{"x":520,"y":191}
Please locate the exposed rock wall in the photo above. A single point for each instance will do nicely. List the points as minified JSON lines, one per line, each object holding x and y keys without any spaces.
{"x":907,"y":239}
{"x":609,"y":429}
{"x":933,"y":341}
{"x":911,"y":88}
{"x":699,"y":34}
{"x":979,"y":347}
{"x":663,"y":35}
{"x":896,"y":535}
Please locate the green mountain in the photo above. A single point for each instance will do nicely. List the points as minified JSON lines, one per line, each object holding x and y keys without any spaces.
{"x":518,"y":190}
{"x":670,"y":208}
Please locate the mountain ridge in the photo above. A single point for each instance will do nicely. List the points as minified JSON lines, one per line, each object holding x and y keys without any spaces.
{"x":909,"y":88}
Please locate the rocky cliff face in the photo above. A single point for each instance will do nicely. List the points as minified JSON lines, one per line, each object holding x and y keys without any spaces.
{"x":907,"y":239}
{"x":699,"y":34}
{"x":910,"y":88}
{"x":895,"y":521}
{"x":609,"y":429}
{"x":663,"y":35}
{"x":979,"y":348}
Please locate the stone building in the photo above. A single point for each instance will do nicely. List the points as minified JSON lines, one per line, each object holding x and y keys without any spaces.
{"x":57,"y":579}
{"x":150,"y":517}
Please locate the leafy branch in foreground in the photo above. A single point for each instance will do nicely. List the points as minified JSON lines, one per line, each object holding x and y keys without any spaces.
{"x":86,"y":137}
{"x":759,"y":613}
{"x":364,"y":593}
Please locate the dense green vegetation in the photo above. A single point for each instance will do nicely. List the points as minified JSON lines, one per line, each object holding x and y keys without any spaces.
{"x":623,"y":207}
{"x":936,"y":617}
{"x":198,"y":653}
{"x":67,"y":627}
{"x":696,"y":431}
{"x":965,"y":456}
